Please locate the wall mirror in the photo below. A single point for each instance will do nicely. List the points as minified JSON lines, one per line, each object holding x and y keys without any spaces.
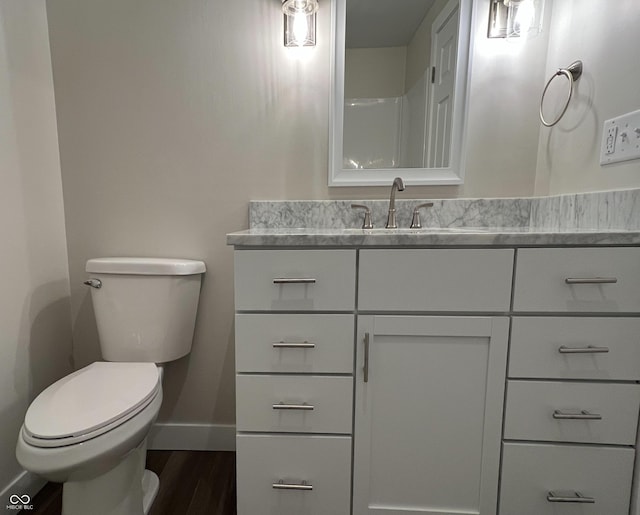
{"x":399,"y":89}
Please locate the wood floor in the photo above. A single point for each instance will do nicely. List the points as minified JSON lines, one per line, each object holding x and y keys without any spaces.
{"x":191,"y":483}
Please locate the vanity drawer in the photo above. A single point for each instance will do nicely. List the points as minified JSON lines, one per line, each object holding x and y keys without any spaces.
{"x":567,"y":412}
{"x":295,"y":280}
{"x":294,"y":343}
{"x":435,"y":279}
{"x":294,"y":404}
{"x":531,"y":472}
{"x":322,"y":462}
{"x":578,"y":279}
{"x":544,"y":347}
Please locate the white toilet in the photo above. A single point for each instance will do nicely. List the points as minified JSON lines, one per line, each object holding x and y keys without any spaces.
{"x":89,"y":430}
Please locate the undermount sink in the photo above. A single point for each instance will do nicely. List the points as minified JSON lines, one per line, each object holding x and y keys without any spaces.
{"x":423,"y":230}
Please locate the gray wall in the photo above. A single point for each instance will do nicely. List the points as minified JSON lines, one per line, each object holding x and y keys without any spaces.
{"x":35,"y":317}
{"x":606,"y":39}
{"x":173,"y":115}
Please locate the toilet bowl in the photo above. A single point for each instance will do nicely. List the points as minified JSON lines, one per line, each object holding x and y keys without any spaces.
{"x":89,"y":432}
{"x":89,"y":429}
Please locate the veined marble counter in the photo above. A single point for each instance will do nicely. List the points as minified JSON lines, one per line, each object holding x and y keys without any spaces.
{"x":427,"y":237}
{"x":598,"y":218}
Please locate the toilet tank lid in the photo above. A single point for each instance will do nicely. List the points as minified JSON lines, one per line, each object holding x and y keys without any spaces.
{"x":145,"y":266}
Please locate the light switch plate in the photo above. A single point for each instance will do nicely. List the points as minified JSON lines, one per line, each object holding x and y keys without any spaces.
{"x":621,"y":139}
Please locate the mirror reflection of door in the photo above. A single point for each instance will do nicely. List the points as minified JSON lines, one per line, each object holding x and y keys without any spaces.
{"x":394,"y":117}
{"x":444,"y":41}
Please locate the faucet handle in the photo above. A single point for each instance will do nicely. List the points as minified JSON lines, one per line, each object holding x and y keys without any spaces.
{"x":366,"y":224}
{"x":415,"y":220}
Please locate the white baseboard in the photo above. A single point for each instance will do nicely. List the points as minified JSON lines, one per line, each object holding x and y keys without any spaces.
{"x":192,"y":437}
{"x":24,"y":484}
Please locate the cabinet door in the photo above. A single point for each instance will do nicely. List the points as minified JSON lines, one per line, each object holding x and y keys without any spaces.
{"x":428,"y":412}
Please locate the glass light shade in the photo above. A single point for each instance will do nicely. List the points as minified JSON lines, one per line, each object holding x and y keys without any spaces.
{"x":300,"y":26}
{"x":293,"y":7}
{"x":525,"y":17}
{"x":515,"y":18}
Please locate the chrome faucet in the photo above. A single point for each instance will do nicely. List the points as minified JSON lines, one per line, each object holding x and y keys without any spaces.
{"x":391,"y":218}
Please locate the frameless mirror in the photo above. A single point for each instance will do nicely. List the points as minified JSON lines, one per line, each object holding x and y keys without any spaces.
{"x":399,"y":91}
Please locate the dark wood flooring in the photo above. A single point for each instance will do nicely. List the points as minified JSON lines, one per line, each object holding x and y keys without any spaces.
{"x":191,"y":483}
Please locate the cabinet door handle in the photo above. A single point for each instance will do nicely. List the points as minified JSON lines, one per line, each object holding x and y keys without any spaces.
{"x":583,"y":415}
{"x":583,"y":350}
{"x":365,"y":368}
{"x":281,"y":485}
{"x":294,"y":407}
{"x":294,"y":280}
{"x":591,"y":280}
{"x":294,"y":345}
{"x":577,"y":497}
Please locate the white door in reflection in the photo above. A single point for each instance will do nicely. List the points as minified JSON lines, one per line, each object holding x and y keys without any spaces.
{"x":444,"y":50}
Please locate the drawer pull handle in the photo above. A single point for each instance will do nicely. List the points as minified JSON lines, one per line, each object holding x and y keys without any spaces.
{"x":294,"y":280}
{"x":281,"y":485}
{"x":583,"y":350}
{"x":577,"y":497}
{"x":591,"y":280}
{"x":294,"y":407}
{"x":583,"y":415}
{"x":294,"y":345}
{"x":365,"y":368}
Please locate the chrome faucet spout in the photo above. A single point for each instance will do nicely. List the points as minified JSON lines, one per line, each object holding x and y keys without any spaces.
{"x":398,"y":185}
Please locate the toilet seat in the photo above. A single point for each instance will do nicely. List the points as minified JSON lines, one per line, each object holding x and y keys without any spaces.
{"x":90,"y":402}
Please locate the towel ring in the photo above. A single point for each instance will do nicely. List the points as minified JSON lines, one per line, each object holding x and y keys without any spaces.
{"x":572,"y":73}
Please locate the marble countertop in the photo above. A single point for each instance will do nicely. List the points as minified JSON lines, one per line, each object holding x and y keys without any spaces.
{"x":454,"y":236}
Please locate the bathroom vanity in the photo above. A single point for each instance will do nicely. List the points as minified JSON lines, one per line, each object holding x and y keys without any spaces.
{"x":435,"y":371}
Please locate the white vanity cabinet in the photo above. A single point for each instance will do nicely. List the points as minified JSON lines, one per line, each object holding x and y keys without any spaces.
{"x":430,"y":389}
{"x":484,"y":381}
{"x":573,"y":396}
{"x":294,"y":380}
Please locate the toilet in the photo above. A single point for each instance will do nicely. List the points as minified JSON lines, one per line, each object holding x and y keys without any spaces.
{"x":89,"y":429}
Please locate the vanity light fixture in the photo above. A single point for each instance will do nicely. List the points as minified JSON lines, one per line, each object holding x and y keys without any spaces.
{"x":515,"y":18}
{"x":299,"y":22}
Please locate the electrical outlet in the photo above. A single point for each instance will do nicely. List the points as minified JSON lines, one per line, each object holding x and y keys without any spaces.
{"x":621,"y":139}
{"x":611,"y":134}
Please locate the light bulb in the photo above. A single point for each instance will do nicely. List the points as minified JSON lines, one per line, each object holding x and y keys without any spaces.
{"x":525,"y":16}
{"x":300,"y":22}
{"x":300,"y":29}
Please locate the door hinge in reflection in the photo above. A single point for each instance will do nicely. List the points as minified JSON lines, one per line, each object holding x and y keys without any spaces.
{"x":433,"y":75}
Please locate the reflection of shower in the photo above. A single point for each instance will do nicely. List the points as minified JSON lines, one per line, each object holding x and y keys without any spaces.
{"x":372,"y":132}
{"x":386,"y":132}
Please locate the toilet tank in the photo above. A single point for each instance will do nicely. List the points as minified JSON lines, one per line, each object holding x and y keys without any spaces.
{"x":145,"y":308}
